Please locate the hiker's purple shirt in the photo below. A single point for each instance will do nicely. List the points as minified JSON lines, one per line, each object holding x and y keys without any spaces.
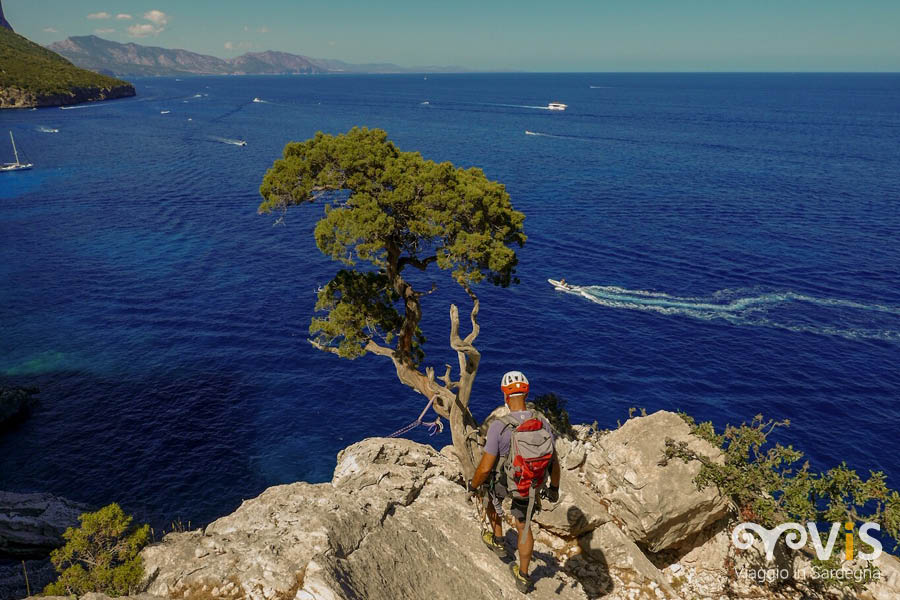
{"x":498,"y":435}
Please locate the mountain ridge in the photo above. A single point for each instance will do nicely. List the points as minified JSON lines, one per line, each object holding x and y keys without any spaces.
{"x":31,"y":76}
{"x":131,"y":59}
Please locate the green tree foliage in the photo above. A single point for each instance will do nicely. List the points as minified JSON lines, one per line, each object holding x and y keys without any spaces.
{"x":100,"y":556}
{"x":770,"y":485}
{"x":387,"y":211}
{"x":400,"y":211}
{"x":27,"y":66}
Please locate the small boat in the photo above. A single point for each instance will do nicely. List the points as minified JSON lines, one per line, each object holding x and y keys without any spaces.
{"x":164,"y":112}
{"x":257,"y":100}
{"x":241,"y":143}
{"x":16,"y":166}
{"x":425,"y":103}
{"x":557,"y":106}
{"x":560,"y":285}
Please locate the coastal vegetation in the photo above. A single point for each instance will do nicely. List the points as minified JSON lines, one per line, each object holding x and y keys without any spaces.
{"x":35,"y":73}
{"x":100,"y":556}
{"x":388,"y":212}
{"x":771,"y":484}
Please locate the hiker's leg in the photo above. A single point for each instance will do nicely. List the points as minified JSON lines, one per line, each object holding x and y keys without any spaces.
{"x":494,"y":518}
{"x":526,"y":545}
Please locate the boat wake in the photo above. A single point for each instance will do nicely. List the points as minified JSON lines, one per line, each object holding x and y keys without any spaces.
{"x":43,"y":129}
{"x":230,"y":141}
{"x":561,"y":137}
{"x":517,"y":105}
{"x":785,"y":310}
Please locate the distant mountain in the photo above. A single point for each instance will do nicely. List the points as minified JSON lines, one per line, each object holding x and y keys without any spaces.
{"x":31,"y":75}
{"x":273,"y":62}
{"x":3,"y":21}
{"x":105,"y":56}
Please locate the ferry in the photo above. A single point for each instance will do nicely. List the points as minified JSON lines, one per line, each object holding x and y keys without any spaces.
{"x":557,"y":106}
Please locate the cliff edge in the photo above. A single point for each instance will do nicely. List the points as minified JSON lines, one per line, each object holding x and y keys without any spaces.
{"x":396,"y":522}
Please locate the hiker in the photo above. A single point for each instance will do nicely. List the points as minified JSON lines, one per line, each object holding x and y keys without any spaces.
{"x":524,"y":443}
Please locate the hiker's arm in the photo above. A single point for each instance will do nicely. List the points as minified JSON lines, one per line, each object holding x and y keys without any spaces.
{"x":484,"y":469}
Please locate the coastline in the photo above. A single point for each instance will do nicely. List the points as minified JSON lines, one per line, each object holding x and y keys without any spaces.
{"x":13,"y":97}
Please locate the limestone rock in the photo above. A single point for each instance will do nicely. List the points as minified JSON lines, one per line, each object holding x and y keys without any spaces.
{"x":888,"y":586}
{"x":659,"y":507}
{"x":394,"y":522}
{"x":31,"y":525}
{"x":609,"y":544}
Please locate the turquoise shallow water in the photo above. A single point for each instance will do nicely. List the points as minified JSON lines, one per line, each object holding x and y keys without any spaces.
{"x":735,"y":237}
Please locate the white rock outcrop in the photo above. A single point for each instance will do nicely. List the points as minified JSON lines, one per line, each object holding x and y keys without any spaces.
{"x":395,"y":522}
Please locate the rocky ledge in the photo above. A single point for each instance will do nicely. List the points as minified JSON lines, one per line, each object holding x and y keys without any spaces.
{"x":12,"y":97}
{"x":396,"y":522}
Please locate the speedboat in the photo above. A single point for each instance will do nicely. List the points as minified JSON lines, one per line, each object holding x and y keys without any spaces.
{"x":560,"y":285}
{"x":557,"y":106}
{"x":257,"y":100}
{"x":241,"y":143}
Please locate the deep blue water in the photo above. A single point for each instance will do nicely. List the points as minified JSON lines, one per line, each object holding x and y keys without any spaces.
{"x":739,"y":234}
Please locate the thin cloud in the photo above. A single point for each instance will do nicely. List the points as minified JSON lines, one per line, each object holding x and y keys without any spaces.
{"x":238,"y":45}
{"x":99,"y":15}
{"x":144,"y":30}
{"x":50,"y":30}
{"x":105,"y":30}
{"x":158,"y":21}
{"x":158,"y":17}
{"x":124,"y":17}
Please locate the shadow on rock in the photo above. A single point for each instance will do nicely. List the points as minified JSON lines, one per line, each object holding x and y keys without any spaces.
{"x":589,"y":568}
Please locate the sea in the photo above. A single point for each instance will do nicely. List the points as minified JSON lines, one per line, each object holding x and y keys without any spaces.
{"x":733,"y":237}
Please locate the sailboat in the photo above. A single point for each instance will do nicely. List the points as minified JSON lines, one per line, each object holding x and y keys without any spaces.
{"x":16,"y":166}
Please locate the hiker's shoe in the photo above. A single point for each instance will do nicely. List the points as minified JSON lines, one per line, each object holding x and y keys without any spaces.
{"x":494,"y":543}
{"x":522,"y":582}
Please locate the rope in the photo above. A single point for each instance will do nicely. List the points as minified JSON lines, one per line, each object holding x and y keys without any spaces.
{"x":434,"y":427}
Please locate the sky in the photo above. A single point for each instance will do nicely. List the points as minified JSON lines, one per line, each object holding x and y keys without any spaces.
{"x":546,"y":35}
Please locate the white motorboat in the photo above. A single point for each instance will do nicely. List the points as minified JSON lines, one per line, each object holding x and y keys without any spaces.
{"x":557,"y":106}
{"x":560,"y":285}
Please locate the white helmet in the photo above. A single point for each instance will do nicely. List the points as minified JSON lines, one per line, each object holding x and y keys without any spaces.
{"x":514,"y":382}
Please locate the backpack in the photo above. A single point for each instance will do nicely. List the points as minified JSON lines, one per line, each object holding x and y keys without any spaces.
{"x":530,"y":454}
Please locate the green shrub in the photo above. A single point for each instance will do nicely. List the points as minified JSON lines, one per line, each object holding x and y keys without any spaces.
{"x":553,"y":407}
{"x":100,"y":556}
{"x":770,"y":485}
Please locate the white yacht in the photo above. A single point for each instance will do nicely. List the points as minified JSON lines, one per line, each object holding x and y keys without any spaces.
{"x":557,"y":106}
{"x":257,"y":100}
{"x":16,"y":166}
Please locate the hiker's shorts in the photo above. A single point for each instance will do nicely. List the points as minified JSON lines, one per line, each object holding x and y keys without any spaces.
{"x":519,"y":507}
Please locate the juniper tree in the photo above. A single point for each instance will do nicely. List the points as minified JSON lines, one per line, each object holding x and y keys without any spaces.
{"x":388,"y":211}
